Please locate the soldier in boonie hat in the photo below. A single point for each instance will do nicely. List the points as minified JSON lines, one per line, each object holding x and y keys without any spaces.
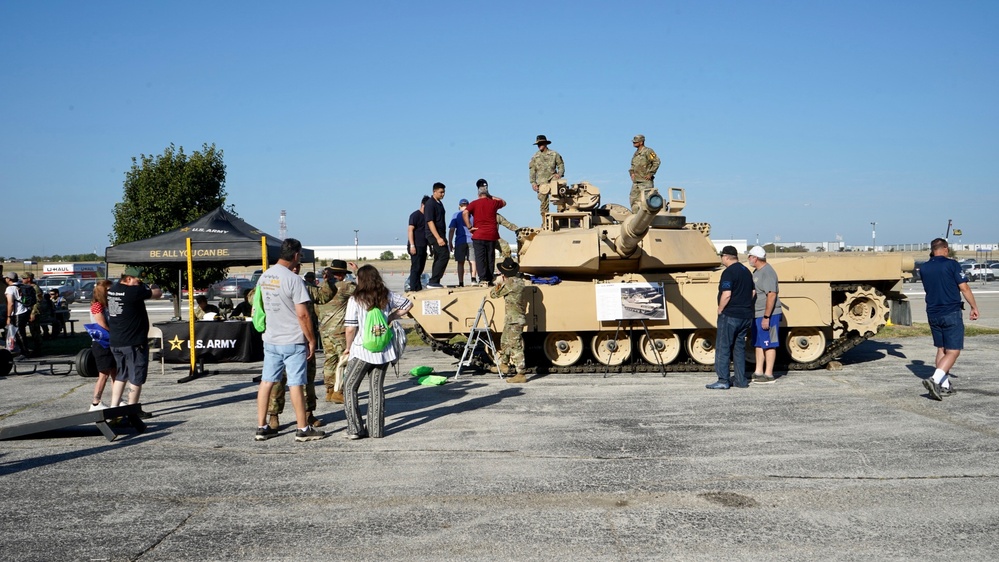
{"x":542,"y":140}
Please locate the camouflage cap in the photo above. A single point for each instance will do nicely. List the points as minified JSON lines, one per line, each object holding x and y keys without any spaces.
{"x":638,"y":138}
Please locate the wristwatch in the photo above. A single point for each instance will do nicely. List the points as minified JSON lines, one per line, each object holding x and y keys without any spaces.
{"x":766,"y":318}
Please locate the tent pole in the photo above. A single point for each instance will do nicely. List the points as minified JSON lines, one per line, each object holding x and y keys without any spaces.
{"x":190,"y":316}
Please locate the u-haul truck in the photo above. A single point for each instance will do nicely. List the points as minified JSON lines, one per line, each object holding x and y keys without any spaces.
{"x":79,"y":270}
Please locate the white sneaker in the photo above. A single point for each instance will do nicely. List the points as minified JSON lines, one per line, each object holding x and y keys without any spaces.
{"x":97,"y":406}
{"x":123,"y":403}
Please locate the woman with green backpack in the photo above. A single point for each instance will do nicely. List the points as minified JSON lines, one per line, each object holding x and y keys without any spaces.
{"x":370,"y":313}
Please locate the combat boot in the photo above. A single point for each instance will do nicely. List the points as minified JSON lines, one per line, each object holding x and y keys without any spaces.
{"x":517,"y":379}
{"x":334,"y":396}
{"x":274,"y":423}
{"x":314,"y":421}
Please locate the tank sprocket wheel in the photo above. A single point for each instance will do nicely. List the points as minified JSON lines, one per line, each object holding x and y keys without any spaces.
{"x":609,"y":349}
{"x":864,"y":311}
{"x":805,"y":344}
{"x":666,"y":342}
{"x":563,"y":348}
{"x":701,"y":346}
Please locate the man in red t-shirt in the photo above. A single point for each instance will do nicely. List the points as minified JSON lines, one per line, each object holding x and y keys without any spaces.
{"x":485,"y":233}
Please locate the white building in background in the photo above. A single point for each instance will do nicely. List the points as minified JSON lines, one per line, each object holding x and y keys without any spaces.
{"x":354,"y":253}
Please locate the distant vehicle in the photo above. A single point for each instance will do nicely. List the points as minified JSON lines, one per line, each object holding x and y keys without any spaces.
{"x":916,"y":278}
{"x":86,"y":291}
{"x":980,"y":273}
{"x":233,"y":287}
{"x":208,"y":292}
{"x":67,"y":286}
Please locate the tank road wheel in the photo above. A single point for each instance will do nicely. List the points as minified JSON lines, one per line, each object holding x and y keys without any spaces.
{"x":864,"y":310}
{"x":666,"y":342}
{"x":610,"y":350}
{"x":805,"y":344}
{"x":701,"y":346}
{"x":563,"y":348}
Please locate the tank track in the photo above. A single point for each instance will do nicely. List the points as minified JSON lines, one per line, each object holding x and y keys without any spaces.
{"x":481,"y":361}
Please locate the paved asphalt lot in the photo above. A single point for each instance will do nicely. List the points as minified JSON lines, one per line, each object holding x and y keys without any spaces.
{"x":851,"y":464}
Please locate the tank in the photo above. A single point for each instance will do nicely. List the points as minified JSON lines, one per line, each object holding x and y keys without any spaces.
{"x":614,"y":290}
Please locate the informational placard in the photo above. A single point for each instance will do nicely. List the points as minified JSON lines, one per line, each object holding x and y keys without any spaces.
{"x":630,"y":301}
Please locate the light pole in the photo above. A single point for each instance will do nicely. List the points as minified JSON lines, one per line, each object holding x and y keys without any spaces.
{"x":874,"y":237}
{"x":355,"y":244}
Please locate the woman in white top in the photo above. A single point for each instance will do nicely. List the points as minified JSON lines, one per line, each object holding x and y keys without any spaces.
{"x":371,"y":292}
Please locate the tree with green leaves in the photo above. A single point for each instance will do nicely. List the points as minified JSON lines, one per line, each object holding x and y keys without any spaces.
{"x":164,"y":192}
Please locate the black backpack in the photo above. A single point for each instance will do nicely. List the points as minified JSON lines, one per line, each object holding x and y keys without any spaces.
{"x":28,"y":296}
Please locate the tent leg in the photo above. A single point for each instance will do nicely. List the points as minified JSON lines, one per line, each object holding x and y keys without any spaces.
{"x":197,"y":371}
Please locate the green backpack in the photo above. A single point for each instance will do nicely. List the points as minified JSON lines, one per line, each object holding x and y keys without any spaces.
{"x":376,"y":335}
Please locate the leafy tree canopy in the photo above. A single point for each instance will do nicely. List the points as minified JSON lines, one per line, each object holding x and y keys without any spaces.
{"x":166,"y":191}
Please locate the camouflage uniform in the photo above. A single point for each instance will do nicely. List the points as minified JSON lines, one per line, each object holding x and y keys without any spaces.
{"x":332,"y":331}
{"x":319,"y":295}
{"x":543,"y":167}
{"x":512,"y":342}
{"x":644,"y":165}
{"x":504,"y":246}
{"x":33,"y":317}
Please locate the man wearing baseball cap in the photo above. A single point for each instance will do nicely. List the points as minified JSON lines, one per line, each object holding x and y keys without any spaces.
{"x":735,"y":316}
{"x":644,"y":165}
{"x":128,"y":323}
{"x":459,"y":237}
{"x":767,"y":316}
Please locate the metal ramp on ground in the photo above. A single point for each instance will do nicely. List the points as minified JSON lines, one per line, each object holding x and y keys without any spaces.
{"x":128,"y":415}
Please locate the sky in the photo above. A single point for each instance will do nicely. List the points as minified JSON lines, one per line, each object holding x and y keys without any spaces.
{"x":801,"y":120}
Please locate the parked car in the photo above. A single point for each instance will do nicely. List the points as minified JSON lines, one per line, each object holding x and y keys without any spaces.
{"x":86,"y":291}
{"x":915,"y":273}
{"x":209,"y":292}
{"x":980,"y":273}
{"x":234,"y":287}
{"x":67,"y":286}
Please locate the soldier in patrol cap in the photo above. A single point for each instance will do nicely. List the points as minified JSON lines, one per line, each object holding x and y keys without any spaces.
{"x":545,"y":167}
{"x":511,"y":288}
{"x":644,"y":165}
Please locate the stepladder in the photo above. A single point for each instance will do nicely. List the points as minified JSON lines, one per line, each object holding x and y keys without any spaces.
{"x":479,"y":334}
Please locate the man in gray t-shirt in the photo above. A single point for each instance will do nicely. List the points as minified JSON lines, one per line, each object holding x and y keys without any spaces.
{"x":289,"y":340}
{"x":768,"y":314}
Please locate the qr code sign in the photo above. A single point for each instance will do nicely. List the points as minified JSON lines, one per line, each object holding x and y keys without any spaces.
{"x":431,"y":308}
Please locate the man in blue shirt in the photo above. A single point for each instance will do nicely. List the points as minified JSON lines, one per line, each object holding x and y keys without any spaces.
{"x":944,"y":283}
{"x":735,"y":316}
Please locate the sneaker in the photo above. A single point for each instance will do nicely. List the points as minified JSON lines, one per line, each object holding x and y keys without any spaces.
{"x":474,"y":281}
{"x":97,"y":406}
{"x":144,"y":415}
{"x":434,"y":286}
{"x":946,"y":391}
{"x":361,"y":435}
{"x":309,"y":434}
{"x":264,"y":433}
{"x":763,"y":379}
{"x":933,"y":389}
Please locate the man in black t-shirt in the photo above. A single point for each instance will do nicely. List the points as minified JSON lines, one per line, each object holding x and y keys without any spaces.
{"x":417,"y":247}
{"x":436,"y":218}
{"x":129,"y":327}
{"x":735,"y":316}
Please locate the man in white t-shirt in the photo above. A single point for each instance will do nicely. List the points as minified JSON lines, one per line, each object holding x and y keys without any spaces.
{"x":289,"y":340}
{"x":17,"y":313}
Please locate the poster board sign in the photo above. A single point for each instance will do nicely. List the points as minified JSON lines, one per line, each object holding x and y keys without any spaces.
{"x":630,"y":301}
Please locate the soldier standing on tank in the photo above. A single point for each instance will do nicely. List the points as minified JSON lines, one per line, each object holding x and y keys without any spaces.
{"x":545,"y":167}
{"x":644,"y":165}
{"x":511,"y":288}
{"x":331,"y":329}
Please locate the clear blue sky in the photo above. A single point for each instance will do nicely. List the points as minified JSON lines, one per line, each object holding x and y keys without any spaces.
{"x":794,"y":118}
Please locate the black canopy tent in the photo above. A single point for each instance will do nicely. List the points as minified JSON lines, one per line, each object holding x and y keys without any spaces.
{"x":219,"y":238}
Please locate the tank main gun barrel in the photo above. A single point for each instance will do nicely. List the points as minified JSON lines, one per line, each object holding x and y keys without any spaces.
{"x":633,"y":228}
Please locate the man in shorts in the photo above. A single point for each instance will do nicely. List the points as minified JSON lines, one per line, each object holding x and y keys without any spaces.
{"x":767,"y":320}
{"x":128,"y":323}
{"x":460,"y":238}
{"x":944,"y":283}
{"x":289,"y":340}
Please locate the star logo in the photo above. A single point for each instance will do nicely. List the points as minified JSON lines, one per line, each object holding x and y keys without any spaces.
{"x":176,"y":343}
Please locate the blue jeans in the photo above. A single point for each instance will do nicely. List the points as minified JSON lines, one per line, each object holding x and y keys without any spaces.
{"x":281,"y":358}
{"x":730,"y":346}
